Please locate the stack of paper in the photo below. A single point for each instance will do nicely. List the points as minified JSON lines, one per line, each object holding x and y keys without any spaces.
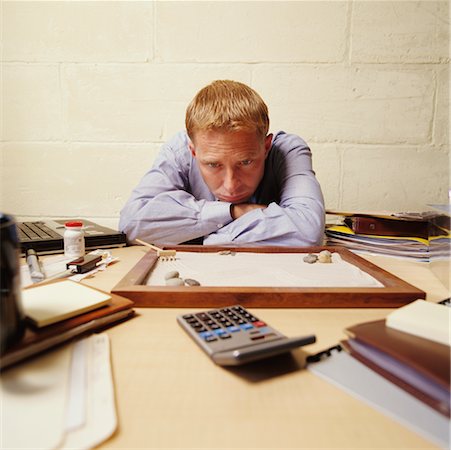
{"x":405,"y":374}
{"x":61,"y":311}
{"x":51,"y":303}
{"x":408,"y":247}
{"x":418,"y":236}
{"x":418,"y":365}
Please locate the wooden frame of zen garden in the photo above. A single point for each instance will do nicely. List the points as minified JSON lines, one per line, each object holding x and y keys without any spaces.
{"x":394,"y":292}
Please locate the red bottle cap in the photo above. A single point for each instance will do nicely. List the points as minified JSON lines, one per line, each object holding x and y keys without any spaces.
{"x":73,"y":224}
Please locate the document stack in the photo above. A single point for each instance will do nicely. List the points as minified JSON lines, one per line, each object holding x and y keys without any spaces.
{"x":60,"y":311}
{"x":411,"y":348}
{"x":407,"y":235}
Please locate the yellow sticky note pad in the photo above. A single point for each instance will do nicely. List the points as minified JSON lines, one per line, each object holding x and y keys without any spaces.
{"x":424,"y":319}
{"x":51,"y":303}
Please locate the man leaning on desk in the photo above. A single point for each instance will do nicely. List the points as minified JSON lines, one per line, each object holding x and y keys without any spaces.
{"x":226,"y":181}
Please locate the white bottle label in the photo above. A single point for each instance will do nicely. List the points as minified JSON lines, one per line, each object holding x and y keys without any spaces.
{"x":74,"y":243}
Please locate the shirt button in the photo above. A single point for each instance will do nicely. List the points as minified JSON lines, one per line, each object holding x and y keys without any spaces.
{"x":219,"y":225}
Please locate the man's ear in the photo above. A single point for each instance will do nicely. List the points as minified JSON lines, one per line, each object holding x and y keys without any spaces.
{"x":191,"y":147}
{"x":268,"y":143}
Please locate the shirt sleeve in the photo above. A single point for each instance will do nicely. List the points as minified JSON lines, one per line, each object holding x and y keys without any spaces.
{"x":162,"y":211}
{"x":297,"y":218}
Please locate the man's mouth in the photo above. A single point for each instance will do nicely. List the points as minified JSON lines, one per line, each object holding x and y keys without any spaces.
{"x":233,"y":198}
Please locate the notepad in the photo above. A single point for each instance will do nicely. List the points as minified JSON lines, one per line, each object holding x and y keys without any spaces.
{"x":424,"y":319}
{"x":51,"y":303}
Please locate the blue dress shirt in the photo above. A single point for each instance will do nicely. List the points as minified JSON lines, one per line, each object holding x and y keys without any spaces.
{"x":172,"y":204}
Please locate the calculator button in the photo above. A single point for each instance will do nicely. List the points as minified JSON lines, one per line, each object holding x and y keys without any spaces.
{"x":246,"y":326}
{"x":202,"y":316}
{"x":188,"y":316}
{"x":214,"y":326}
{"x":211,"y":338}
{"x":264,"y":330}
{"x":220,"y":331}
{"x":255,"y":337}
{"x":233,"y":329}
{"x":206,"y":334}
{"x":225,"y":336}
{"x":259,"y":324}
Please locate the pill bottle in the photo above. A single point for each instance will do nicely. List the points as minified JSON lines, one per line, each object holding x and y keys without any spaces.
{"x":74,"y":240}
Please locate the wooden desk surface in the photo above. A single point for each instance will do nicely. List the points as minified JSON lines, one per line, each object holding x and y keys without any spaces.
{"x":171,"y":396}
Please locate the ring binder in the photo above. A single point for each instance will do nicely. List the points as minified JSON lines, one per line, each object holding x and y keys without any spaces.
{"x":325,"y":353}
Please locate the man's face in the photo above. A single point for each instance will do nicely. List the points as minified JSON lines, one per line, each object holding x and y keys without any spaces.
{"x":231,"y":163}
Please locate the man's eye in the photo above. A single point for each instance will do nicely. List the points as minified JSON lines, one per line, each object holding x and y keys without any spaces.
{"x":246,"y":162}
{"x":213,"y":165}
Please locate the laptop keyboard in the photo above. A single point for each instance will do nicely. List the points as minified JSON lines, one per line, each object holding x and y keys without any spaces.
{"x":30,"y":231}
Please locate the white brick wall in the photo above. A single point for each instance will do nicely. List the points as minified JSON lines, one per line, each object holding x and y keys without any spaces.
{"x":90,"y":90}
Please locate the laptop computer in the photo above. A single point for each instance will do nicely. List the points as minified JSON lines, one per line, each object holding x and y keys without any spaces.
{"x":46,"y":236}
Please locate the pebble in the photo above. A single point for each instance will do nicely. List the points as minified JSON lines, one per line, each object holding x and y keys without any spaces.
{"x":175,"y":282}
{"x":325,"y":257}
{"x":191,"y":282}
{"x":172,"y":274}
{"x":310,"y":258}
{"x":227,"y":252}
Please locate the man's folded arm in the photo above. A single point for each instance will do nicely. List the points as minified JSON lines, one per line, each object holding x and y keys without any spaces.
{"x":275,"y":225}
{"x":172,"y":218}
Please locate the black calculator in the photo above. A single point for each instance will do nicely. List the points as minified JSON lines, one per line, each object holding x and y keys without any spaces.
{"x":232,"y":336}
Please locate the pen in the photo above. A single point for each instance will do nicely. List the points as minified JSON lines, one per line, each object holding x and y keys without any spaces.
{"x":56,"y":276}
{"x":36,"y":272}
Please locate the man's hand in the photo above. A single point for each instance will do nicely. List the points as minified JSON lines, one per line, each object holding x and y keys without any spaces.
{"x":242,"y":208}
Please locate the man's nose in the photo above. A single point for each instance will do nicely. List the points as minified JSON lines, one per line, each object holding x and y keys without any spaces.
{"x":231,"y":181}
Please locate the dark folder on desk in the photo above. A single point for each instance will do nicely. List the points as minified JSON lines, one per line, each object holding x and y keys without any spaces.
{"x":388,"y":227}
{"x":417,"y":365}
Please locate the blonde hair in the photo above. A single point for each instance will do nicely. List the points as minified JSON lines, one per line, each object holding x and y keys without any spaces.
{"x":227,"y":105}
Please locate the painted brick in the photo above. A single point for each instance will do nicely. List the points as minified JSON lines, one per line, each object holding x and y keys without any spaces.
{"x":74,"y":179}
{"x":326,"y":160}
{"x":77,"y":31}
{"x":384,"y":178}
{"x":134,"y":103}
{"x":367,"y":104}
{"x":31,"y":102}
{"x":441,"y":124}
{"x":400,"y":31}
{"x":251,"y":31}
